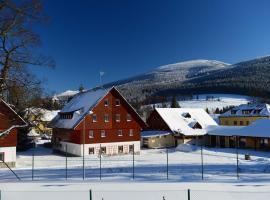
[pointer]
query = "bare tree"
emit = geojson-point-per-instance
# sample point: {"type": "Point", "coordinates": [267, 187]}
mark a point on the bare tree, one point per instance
{"type": "Point", "coordinates": [18, 42]}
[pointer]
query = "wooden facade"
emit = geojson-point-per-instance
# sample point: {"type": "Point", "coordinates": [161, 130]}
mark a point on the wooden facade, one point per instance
{"type": "Point", "coordinates": [112, 120]}
{"type": "Point", "coordinates": [9, 121]}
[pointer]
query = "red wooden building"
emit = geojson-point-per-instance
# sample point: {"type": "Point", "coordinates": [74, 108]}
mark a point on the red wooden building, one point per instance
{"type": "Point", "coordinates": [9, 122]}
{"type": "Point", "coordinates": [100, 120]}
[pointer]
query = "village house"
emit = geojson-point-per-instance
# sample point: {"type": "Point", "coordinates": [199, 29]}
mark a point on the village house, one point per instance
{"type": "Point", "coordinates": [101, 121]}
{"type": "Point", "coordinates": [10, 121]}
{"type": "Point", "coordinates": [255, 136]}
{"type": "Point", "coordinates": [39, 119]}
{"type": "Point", "coordinates": [168, 127]}
{"type": "Point", "coordinates": [244, 114]}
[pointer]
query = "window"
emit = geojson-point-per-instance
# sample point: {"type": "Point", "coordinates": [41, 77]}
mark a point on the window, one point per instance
{"type": "Point", "coordinates": [131, 149]}
{"type": "Point", "coordinates": [128, 117]}
{"type": "Point", "coordinates": [120, 149]}
{"type": "Point", "coordinates": [91, 134]}
{"type": "Point", "coordinates": [247, 122]}
{"type": "Point", "coordinates": [242, 142]}
{"type": "Point", "coordinates": [94, 118]}
{"type": "Point", "coordinates": [2, 156]}
{"type": "Point", "coordinates": [120, 133]}
{"type": "Point", "coordinates": [103, 150]}
{"type": "Point", "coordinates": [257, 111]}
{"type": "Point", "coordinates": [235, 123]}
{"type": "Point", "coordinates": [233, 112]}
{"type": "Point", "coordinates": [106, 118]}
{"type": "Point", "coordinates": [130, 132]}
{"type": "Point", "coordinates": [117, 118]}
{"type": "Point", "coordinates": [102, 133]}
{"type": "Point", "coordinates": [91, 150]}
{"type": "Point", "coordinates": [246, 112]}
{"type": "Point", "coordinates": [106, 102]}
{"type": "Point", "coordinates": [241, 123]}
{"type": "Point", "coordinates": [117, 102]}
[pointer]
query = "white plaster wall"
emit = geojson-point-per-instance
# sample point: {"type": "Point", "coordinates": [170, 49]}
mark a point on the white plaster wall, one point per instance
{"type": "Point", "coordinates": [10, 153]}
{"type": "Point", "coordinates": [111, 148]}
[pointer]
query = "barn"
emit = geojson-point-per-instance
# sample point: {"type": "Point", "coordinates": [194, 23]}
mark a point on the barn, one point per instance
{"type": "Point", "coordinates": [97, 121]}
{"type": "Point", "coordinates": [10, 121]}
{"type": "Point", "coordinates": [185, 125]}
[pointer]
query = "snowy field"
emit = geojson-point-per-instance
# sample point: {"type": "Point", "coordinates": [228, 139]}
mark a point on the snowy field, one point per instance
{"type": "Point", "coordinates": [150, 176]}
{"type": "Point", "coordinates": [149, 165]}
{"type": "Point", "coordinates": [134, 191]}
{"type": "Point", "coordinates": [216, 101]}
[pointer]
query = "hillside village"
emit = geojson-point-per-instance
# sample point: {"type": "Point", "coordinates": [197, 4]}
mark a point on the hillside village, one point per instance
{"type": "Point", "coordinates": [102, 122]}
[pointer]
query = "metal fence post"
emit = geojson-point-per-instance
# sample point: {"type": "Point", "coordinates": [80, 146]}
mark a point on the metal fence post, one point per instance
{"type": "Point", "coordinates": [90, 195]}
{"type": "Point", "coordinates": [100, 152]}
{"type": "Point", "coordinates": [167, 152]}
{"type": "Point", "coordinates": [202, 161]}
{"type": "Point", "coordinates": [33, 161]}
{"type": "Point", "coordinates": [188, 194]}
{"type": "Point", "coordinates": [237, 157]}
{"type": "Point", "coordinates": [133, 164]}
{"type": "Point", "coordinates": [0, 194]}
{"type": "Point", "coordinates": [66, 163]}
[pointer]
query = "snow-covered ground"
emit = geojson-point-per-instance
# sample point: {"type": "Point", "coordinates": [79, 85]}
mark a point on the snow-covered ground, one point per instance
{"type": "Point", "coordinates": [184, 172]}
{"type": "Point", "coordinates": [150, 165]}
{"type": "Point", "coordinates": [218, 101]}
{"type": "Point", "coordinates": [213, 101]}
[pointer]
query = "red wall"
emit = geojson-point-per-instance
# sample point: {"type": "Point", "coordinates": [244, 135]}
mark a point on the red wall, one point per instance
{"type": "Point", "coordinates": [155, 122]}
{"type": "Point", "coordinates": [7, 119]}
{"type": "Point", "coordinates": [111, 127]}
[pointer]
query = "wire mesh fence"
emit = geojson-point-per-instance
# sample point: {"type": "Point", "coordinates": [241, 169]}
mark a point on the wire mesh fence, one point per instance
{"type": "Point", "coordinates": [155, 164]}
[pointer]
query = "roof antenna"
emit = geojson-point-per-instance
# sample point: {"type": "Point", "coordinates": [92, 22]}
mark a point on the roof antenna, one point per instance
{"type": "Point", "coordinates": [101, 73]}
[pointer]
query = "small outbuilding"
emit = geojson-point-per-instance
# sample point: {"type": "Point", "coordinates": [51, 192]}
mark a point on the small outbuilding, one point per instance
{"type": "Point", "coordinates": [157, 139]}
{"type": "Point", "coordinates": [255, 136]}
{"type": "Point", "coordinates": [185, 125]}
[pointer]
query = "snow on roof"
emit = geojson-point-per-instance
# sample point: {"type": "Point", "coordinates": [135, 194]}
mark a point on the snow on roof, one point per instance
{"type": "Point", "coordinates": [82, 103]}
{"type": "Point", "coordinates": [259, 128]}
{"type": "Point", "coordinates": [178, 123]}
{"type": "Point", "coordinates": [249, 110]}
{"type": "Point", "coordinates": [32, 133]}
{"type": "Point", "coordinates": [45, 115]}
{"type": "Point", "coordinates": [147, 134]}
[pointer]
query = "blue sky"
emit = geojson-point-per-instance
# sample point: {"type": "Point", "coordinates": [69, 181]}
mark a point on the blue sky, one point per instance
{"type": "Point", "coordinates": [129, 37]}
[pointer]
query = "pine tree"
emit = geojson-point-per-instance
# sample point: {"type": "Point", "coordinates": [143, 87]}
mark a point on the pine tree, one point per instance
{"type": "Point", "coordinates": [174, 103]}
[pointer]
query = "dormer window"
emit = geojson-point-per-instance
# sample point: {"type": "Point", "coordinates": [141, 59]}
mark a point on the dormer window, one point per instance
{"type": "Point", "coordinates": [66, 115]}
{"type": "Point", "coordinates": [186, 115]}
{"type": "Point", "coordinates": [257, 111]}
{"type": "Point", "coordinates": [197, 125]}
{"type": "Point", "coordinates": [106, 102]}
{"type": "Point", "coordinates": [246, 112]}
{"type": "Point", "coordinates": [233, 112]}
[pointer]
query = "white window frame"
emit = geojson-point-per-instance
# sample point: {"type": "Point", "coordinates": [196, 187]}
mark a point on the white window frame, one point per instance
{"type": "Point", "coordinates": [106, 102]}
{"type": "Point", "coordinates": [120, 132]}
{"type": "Point", "coordinates": [129, 118]}
{"type": "Point", "coordinates": [106, 118]}
{"type": "Point", "coordinates": [117, 102]}
{"type": "Point", "coordinates": [92, 148]}
{"type": "Point", "coordinates": [131, 132]}
{"type": "Point", "coordinates": [116, 118]}
{"type": "Point", "coordinates": [3, 156]}
{"type": "Point", "coordinates": [91, 134]}
{"type": "Point", "coordinates": [102, 133]}
{"type": "Point", "coordinates": [94, 118]}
